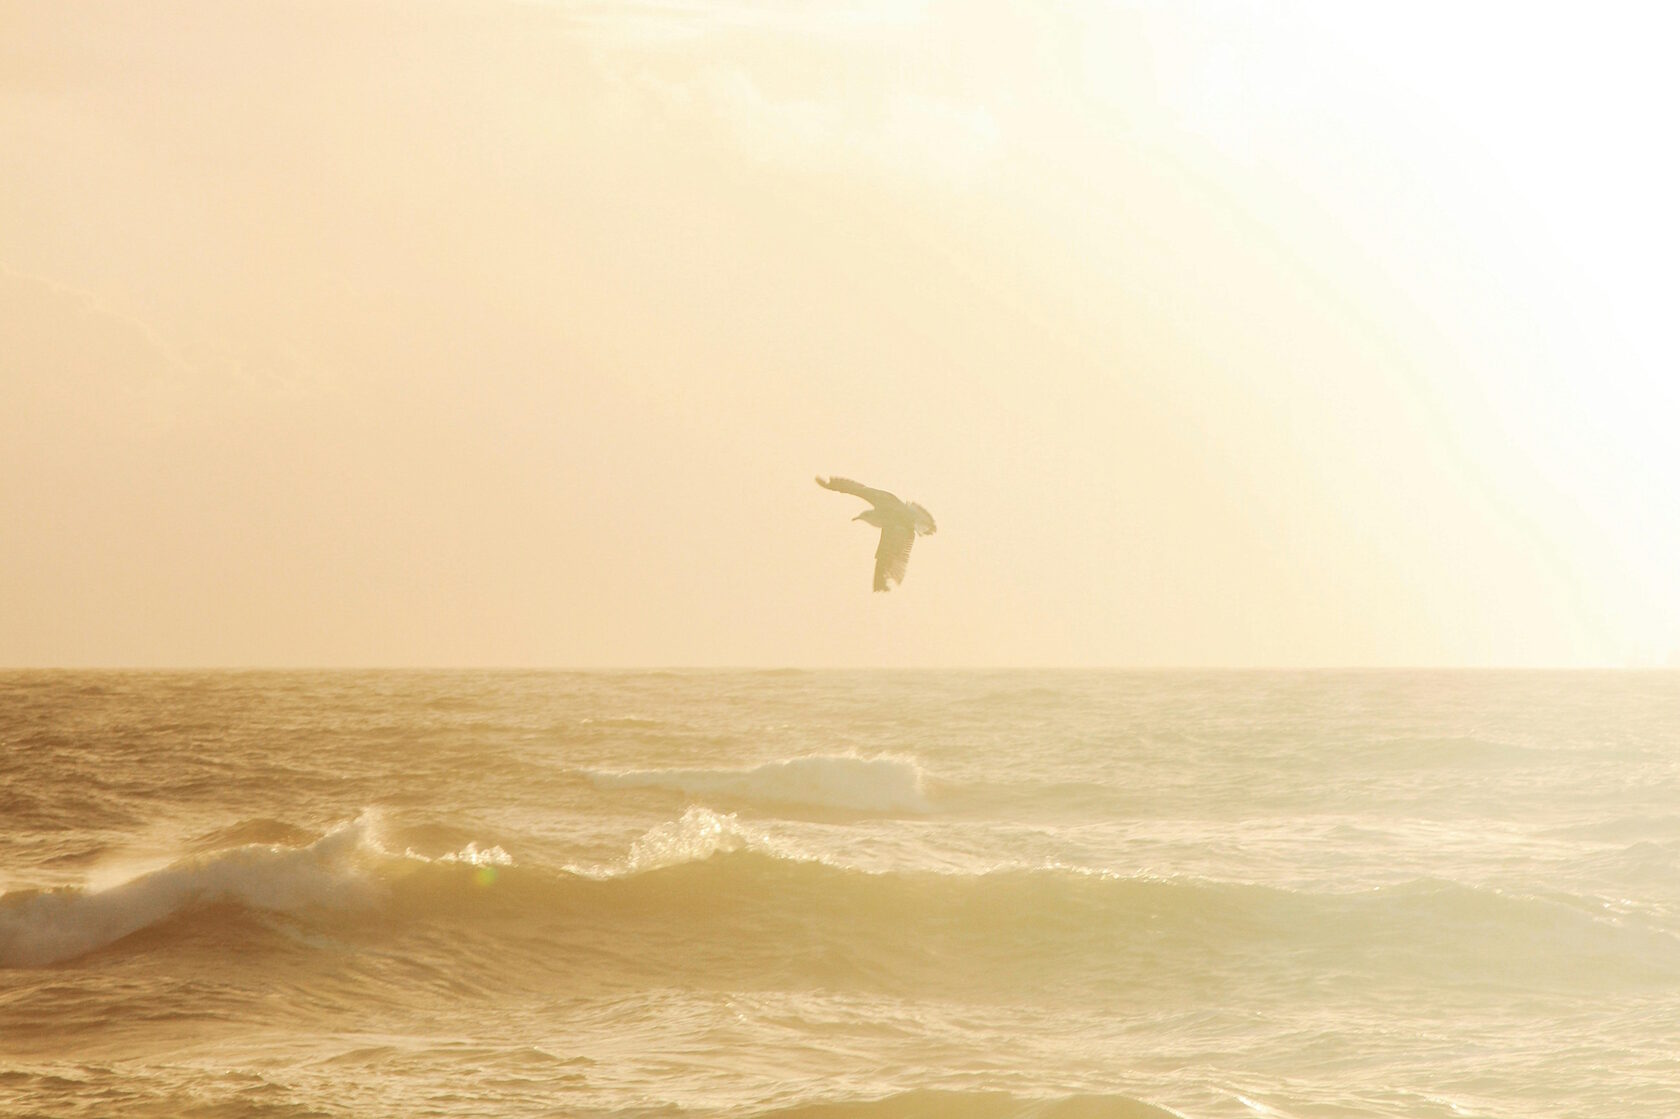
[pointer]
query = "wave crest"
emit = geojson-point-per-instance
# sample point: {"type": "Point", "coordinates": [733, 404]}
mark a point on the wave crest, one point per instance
{"type": "Point", "coordinates": [345, 869]}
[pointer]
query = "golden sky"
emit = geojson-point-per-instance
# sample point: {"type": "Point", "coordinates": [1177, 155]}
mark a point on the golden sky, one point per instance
{"type": "Point", "coordinates": [473, 332]}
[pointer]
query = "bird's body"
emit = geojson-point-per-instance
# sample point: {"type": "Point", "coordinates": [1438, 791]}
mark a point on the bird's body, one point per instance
{"type": "Point", "coordinates": [900, 523]}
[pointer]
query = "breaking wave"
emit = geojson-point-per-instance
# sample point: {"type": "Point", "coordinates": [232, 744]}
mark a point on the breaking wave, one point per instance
{"type": "Point", "coordinates": [698, 835]}
{"type": "Point", "coordinates": [706, 894]}
{"type": "Point", "coordinates": [345, 870]}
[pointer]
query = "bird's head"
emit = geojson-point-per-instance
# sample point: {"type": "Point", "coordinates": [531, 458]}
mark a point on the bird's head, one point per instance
{"type": "Point", "coordinates": [869, 517]}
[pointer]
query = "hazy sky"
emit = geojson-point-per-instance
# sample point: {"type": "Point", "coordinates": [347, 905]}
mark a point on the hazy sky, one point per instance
{"type": "Point", "coordinates": [473, 332]}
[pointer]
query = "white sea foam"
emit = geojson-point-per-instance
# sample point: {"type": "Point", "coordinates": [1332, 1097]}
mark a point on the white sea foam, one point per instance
{"type": "Point", "coordinates": [697, 835]}
{"type": "Point", "coordinates": [472, 854]}
{"type": "Point", "coordinates": [884, 783]}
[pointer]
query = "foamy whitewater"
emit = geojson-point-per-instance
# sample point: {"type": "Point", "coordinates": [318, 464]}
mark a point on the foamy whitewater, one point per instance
{"type": "Point", "coordinates": [840, 894]}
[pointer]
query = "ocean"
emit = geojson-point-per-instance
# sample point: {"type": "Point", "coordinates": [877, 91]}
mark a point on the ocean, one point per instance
{"type": "Point", "coordinates": [1058, 894]}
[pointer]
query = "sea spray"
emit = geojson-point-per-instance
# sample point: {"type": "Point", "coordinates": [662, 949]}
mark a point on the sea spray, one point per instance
{"type": "Point", "coordinates": [699, 834]}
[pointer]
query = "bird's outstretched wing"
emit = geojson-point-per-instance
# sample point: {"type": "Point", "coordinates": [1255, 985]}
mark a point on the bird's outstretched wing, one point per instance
{"type": "Point", "coordinates": [846, 485]}
{"type": "Point", "coordinates": [892, 556]}
{"type": "Point", "coordinates": [924, 520]}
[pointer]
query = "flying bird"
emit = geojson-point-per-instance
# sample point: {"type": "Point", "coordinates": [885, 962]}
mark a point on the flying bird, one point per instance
{"type": "Point", "coordinates": [900, 523]}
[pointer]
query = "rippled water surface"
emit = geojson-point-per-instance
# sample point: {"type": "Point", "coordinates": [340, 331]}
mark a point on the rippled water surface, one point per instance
{"type": "Point", "coordinates": [989, 894]}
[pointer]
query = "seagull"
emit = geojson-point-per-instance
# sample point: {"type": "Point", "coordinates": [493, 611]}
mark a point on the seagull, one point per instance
{"type": "Point", "coordinates": [900, 523]}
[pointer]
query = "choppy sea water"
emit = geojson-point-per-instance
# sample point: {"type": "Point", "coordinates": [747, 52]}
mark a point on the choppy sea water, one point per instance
{"type": "Point", "coordinates": [846, 894]}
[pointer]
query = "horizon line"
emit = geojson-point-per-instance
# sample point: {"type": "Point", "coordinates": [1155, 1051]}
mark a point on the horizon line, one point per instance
{"type": "Point", "coordinates": [629, 668]}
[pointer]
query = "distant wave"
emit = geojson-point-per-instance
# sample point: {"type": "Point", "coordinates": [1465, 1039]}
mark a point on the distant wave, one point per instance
{"type": "Point", "coordinates": [877, 784]}
{"type": "Point", "coordinates": [1454, 752]}
{"type": "Point", "coordinates": [1620, 829]}
{"type": "Point", "coordinates": [1009, 699]}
